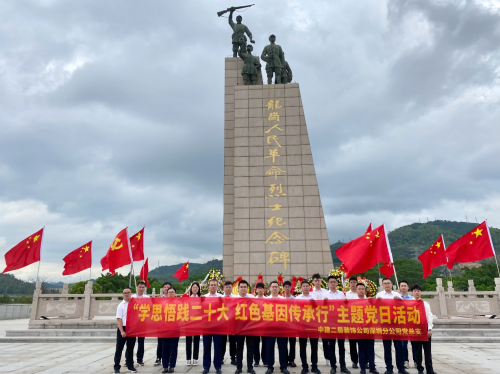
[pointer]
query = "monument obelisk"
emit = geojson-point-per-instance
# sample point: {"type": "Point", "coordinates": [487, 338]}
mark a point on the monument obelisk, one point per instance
{"type": "Point", "coordinates": [273, 218]}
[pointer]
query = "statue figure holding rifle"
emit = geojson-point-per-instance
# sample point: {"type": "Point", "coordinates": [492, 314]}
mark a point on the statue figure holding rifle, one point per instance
{"type": "Point", "coordinates": [239, 39]}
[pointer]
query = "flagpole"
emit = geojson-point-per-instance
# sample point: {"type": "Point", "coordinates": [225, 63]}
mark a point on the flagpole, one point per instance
{"type": "Point", "coordinates": [41, 244]}
{"type": "Point", "coordinates": [491, 242]}
{"type": "Point", "coordinates": [390, 254]}
{"type": "Point", "coordinates": [444, 248]}
{"type": "Point", "coordinates": [131, 262]}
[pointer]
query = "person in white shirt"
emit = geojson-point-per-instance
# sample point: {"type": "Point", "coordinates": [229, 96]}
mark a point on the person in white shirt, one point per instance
{"type": "Point", "coordinates": [213, 284]}
{"type": "Point", "coordinates": [318, 292]}
{"type": "Point", "coordinates": [257, 353]}
{"type": "Point", "coordinates": [121, 335]}
{"type": "Point", "coordinates": [305, 287]}
{"type": "Point", "coordinates": [164, 288]}
{"type": "Point", "coordinates": [270, 341]}
{"type": "Point", "coordinates": [366, 346]}
{"type": "Point", "coordinates": [240, 339]}
{"type": "Point", "coordinates": [404, 287]}
{"type": "Point", "coordinates": [193, 342]}
{"type": "Point", "coordinates": [169, 345]}
{"type": "Point", "coordinates": [228, 292]}
{"type": "Point", "coordinates": [292, 340]}
{"type": "Point", "coordinates": [353, 349]}
{"type": "Point", "coordinates": [388, 293]}
{"type": "Point", "coordinates": [141, 292]}
{"type": "Point", "coordinates": [416, 291]}
{"type": "Point", "coordinates": [329, 344]}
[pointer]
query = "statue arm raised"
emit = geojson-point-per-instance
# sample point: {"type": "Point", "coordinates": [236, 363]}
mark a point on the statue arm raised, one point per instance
{"type": "Point", "coordinates": [231, 23]}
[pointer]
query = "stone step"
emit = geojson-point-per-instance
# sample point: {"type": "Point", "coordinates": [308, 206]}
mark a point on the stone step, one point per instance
{"type": "Point", "coordinates": [465, 333]}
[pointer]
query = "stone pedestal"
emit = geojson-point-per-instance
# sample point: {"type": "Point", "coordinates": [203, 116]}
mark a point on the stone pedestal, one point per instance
{"type": "Point", "coordinates": [273, 219]}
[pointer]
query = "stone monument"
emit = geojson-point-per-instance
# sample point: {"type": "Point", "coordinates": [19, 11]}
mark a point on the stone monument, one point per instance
{"type": "Point", "coordinates": [273, 219]}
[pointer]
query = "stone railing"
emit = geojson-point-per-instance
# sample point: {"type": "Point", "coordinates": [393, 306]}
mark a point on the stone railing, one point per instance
{"type": "Point", "coordinates": [444, 303]}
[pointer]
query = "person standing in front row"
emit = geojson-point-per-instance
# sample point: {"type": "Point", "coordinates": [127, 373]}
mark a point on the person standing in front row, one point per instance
{"type": "Point", "coordinates": [213, 284]}
{"type": "Point", "coordinates": [318, 292]}
{"type": "Point", "coordinates": [193, 342]}
{"type": "Point", "coordinates": [335, 294]}
{"type": "Point", "coordinates": [240, 339]}
{"type": "Point", "coordinates": [404, 287]}
{"type": "Point", "coordinates": [305, 287]}
{"type": "Point", "coordinates": [292, 340]}
{"type": "Point", "coordinates": [366, 346]}
{"type": "Point", "coordinates": [121, 335]}
{"type": "Point", "coordinates": [141, 292]}
{"type": "Point", "coordinates": [416, 290]}
{"type": "Point", "coordinates": [388, 293]}
{"type": "Point", "coordinates": [352, 294]}
{"type": "Point", "coordinates": [257, 353]}
{"type": "Point", "coordinates": [169, 345]}
{"type": "Point", "coordinates": [270, 341]}
{"type": "Point", "coordinates": [228, 292]}
{"type": "Point", "coordinates": [164, 288]}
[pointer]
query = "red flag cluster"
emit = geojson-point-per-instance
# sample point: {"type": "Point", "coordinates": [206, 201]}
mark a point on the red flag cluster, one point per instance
{"type": "Point", "coordinates": [373, 247]}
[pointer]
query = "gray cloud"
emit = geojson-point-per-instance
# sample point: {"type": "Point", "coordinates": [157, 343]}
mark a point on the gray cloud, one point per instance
{"type": "Point", "coordinates": [112, 115]}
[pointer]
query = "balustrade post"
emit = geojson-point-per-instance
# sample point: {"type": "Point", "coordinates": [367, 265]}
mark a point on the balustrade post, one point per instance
{"type": "Point", "coordinates": [497, 288]}
{"type": "Point", "coordinates": [380, 288]}
{"type": "Point", "coordinates": [471, 289]}
{"type": "Point", "coordinates": [153, 294]}
{"type": "Point", "coordinates": [36, 296]}
{"type": "Point", "coordinates": [443, 310]}
{"type": "Point", "coordinates": [87, 300]}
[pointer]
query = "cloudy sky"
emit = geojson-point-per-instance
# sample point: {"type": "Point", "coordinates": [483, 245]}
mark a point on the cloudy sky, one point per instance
{"type": "Point", "coordinates": [111, 115]}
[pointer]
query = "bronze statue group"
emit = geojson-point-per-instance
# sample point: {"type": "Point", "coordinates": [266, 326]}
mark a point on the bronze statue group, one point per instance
{"type": "Point", "coordinates": [362, 351]}
{"type": "Point", "coordinates": [272, 54]}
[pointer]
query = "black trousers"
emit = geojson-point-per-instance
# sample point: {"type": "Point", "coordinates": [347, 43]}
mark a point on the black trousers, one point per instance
{"type": "Point", "coordinates": [366, 353]}
{"type": "Point", "coordinates": [428, 355]}
{"type": "Point", "coordinates": [282, 352]}
{"type": "Point", "coordinates": [257, 352]}
{"type": "Point", "coordinates": [140, 349]}
{"type": "Point", "coordinates": [314, 353]}
{"type": "Point", "coordinates": [232, 346]}
{"type": "Point", "coordinates": [330, 345]}
{"type": "Point", "coordinates": [353, 351]}
{"type": "Point", "coordinates": [192, 345]}
{"type": "Point", "coordinates": [169, 352]}
{"type": "Point", "coordinates": [129, 352]}
{"type": "Point", "coordinates": [158, 349]}
{"type": "Point", "coordinates": [291, 350]}
{"type": "Point", "coordinates": [326, 349]}
{"type": "Point", "coordinates": [240, 343]}
{"type": "Point", "coordinates": [398, 347]}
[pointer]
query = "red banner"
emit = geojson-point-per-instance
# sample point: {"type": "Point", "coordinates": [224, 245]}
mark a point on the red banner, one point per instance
{"type": "Point", "coordinates": [166, 317]}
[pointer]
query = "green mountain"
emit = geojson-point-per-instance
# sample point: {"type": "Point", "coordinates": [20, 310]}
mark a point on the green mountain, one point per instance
{"type": "Point", "coordinates": [408, 242]}
{"type": "Point", "coordinates": [10, 285]}
{"type": "Point", "coordinates": [166, 273]}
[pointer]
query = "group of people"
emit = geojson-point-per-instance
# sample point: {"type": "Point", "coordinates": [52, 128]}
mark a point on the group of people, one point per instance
{"type": "Point", "coordinates": [362, 351]}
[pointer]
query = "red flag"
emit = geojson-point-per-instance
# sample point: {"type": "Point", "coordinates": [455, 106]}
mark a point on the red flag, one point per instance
{"type": "Point", "coordinates": [387, 269]}
{"type": "Point", "coordinates": [144, 272]}
{"type": "Point", "coordinates": [118, 254]}
{"type": "Point", "coordinates": [78, 260]}
{"type": "Point", "coordinates": [24, 253]}
{"type": "Point", "coordinates": [183, 272]}
{"type": "Point", "coordinates": [433, 257]}
{"type": "Point", "coordinates": [369, 228]}
{"type": "Point", "coordinates": [137, 243]}
{"type": "Point", "coordinates": [474, 246]}
{"type": "Point", "coordinates": [365, 252]}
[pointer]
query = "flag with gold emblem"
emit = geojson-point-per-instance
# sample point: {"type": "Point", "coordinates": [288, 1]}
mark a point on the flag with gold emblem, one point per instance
{"type": "Point", "coordinates": [474, 246]}
{"type": "Point", "coordinates": [183, 272]}
{"type": "Point", "coordinates": [137, 243]}
{"type": "Point", "coordinates": [365, 252]}
{"type": "Point", "coordinates": [433, 257]}
{"type": "Point", "coordinates": [118, 254]}
{"type": "Point", "coordinates": [24, 253]}
{"type": "Point", "coordinates": [78, 260]}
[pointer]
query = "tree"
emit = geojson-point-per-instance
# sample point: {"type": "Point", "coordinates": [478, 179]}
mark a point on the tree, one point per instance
{"type": "Point", "coordinates": [79, 288]}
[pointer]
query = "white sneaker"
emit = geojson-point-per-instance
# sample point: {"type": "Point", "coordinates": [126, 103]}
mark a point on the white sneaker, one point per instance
{"type": "Point", "coordinates": [188, 363]}
{"type": "Point", "coordinates": [195, 362]}
{"type": "Point", "coordinates": [328, 363]}
{"type": "Point", "coordinates": [407, 364]}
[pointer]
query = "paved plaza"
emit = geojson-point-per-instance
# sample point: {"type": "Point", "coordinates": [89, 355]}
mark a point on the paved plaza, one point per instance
{"type": "Point", "coordinates": [58, 358]}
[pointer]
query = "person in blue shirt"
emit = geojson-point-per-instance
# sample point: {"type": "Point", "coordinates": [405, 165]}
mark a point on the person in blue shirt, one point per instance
{"type": "Point", "coordinates": [405, 295]}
